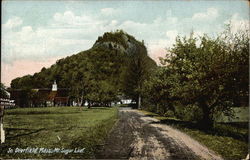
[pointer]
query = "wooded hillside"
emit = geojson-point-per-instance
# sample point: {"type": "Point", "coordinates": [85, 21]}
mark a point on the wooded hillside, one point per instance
{"type": "Point", "coordinates": [114, 67]}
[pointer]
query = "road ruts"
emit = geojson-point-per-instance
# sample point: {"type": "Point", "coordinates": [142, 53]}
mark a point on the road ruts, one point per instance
{"type": "Point", "coordinates": [136, 136]}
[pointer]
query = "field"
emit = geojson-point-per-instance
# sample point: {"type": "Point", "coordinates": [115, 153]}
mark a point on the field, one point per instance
{"type": "Point", "coordinates": [229, 139]}
{"type": "Point", "coordinates": [60, 129]}
{"type": "Point", "coordinates": [241, 115]}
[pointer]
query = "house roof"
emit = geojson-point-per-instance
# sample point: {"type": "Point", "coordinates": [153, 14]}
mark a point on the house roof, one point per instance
{"type": "Point", "coordinates": [47, 93]}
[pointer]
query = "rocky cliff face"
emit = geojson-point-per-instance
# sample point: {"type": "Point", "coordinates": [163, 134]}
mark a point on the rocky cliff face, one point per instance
{"type": "Point", "coordinates": [119, 41]}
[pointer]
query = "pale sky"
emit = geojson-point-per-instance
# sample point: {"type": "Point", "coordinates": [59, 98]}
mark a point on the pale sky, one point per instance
{"type": "Point", "coordinates": [37, 33]}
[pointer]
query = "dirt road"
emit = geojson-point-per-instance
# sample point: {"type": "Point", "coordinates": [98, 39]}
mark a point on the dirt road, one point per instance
{"type": "Point", "coordinates": [136, 136]}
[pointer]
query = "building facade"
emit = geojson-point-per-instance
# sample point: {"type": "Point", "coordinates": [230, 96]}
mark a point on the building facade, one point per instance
{"type": "Point", "coordinates": [41, 97]}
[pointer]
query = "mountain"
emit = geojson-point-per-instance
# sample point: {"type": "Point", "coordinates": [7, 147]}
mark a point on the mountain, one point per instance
{"type": "Point", "coordinates": [115, 66]}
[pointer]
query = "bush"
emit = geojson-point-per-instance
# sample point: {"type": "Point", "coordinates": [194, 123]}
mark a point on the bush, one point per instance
{"type": "Point", "coordinates": [188, 113]}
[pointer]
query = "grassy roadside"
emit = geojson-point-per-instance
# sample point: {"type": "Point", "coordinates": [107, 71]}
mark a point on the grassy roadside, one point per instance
{"type": "Point", "coordinates": [56, 127]}
{"type": "Point", "coordinates": [228, 140]}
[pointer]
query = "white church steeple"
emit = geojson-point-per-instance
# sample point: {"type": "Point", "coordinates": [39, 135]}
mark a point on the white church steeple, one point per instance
{"type": "Point", "coordinates": [54, 86]}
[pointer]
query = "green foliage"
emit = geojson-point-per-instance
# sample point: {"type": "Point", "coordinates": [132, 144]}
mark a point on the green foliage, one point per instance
{"type": "Point", "coordinates": [119, 36]}
{"type": "Point", "coordinates": [140, 66]}
{"type": "Point", "coordinates": [3, 93]}
{"type": "Point", "coordinates": [210, 73]}
{"type": "Point", "coordinates": [156, 95]}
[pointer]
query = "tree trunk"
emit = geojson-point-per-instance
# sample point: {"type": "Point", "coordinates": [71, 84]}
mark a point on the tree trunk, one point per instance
{"type": "Point", "coordinates": [89, 105]}
{"type": "Point", "coordinates": [81, 101]}
{"type": "Point", "coordinates": [207, 120]}
{"type": "Point", "coordinates": [139, 102]}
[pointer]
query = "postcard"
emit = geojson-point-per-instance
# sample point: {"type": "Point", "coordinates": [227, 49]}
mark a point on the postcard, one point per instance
{"type": "Point", "coordinates": [127, 79]}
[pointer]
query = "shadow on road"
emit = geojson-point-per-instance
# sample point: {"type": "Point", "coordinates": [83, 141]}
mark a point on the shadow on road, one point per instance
{"type": "Point", "coordinates": [221, 129]}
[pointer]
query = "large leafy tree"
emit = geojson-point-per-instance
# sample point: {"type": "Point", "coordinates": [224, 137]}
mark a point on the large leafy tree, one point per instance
{"type": "Point", "coordinates": [156, 91]}
{"type": "Point", "coordinates": [139, 68]}
{"type": "Point", "coordinates": [210, 73]}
